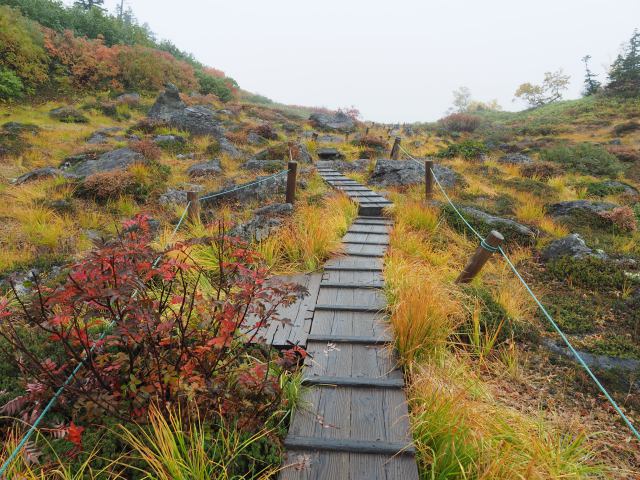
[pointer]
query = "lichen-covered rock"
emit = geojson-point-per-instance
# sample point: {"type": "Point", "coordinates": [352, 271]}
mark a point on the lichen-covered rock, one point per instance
{"type": "Point", "coordinates": [68, 114]}
{"type": "Point", "coordinates": [226, 147]}
{"type": "Point", "coordinates": [264, 222]}
{"type": "Point", "coordinates": [103, 135]}
{"type": "Point", "coordinates": [264, 165]}
{"type": "Point", "coordinates": [260, 189]}
{"type": "Point", "coordinates": [167, 103]}
{"type": "Point", "coordinates": [339, 121]}
{"type": "Point", "coordinates": [392, 173]}
{"type": "Point", "coordinates": [39, 173]}
{"type": "Point", "coordinates": [178, 196]}
{"type": "Point", "coordinates": [516, 159]}
{"type": "Point", "coordinates": [570, 246]}
{"type": "Point", "coordinates": [211, 168]}
{"type": "Point", "coordinates": [114, 160]}
{"type": "Point", "coordinates": [579, 207]}
{"type": "Point", "coordinates": [283, 151]}
{"type": "Point", "coordinates": [330, 154]}
{"type": "Point", "coordinates": [254, 139]}
{"type": "Point", "coordinates": [17, 128]}
{"type": "Point", "coordinates": [170, 141]}
{"type": "Point", "coordinates": [342, 166]}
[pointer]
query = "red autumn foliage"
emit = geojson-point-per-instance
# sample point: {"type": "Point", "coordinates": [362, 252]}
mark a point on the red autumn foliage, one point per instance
{"type": "Point", "coordinates": [148, 333]}
{"type": "Point", "coordinates": [146, 148]}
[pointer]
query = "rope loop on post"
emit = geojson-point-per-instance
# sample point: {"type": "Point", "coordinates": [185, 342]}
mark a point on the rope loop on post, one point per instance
{"type": "Point", "coordinates": [488, 247]}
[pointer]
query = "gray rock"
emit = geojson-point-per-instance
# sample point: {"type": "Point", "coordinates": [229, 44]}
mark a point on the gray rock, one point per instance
{"type": "Point", "coordinates": [38, 174]}
{"type": "Point", "coordinates": [330, 154]}
{"type": "Point", "coordinates": [595, 361]}
{"type": "Point", "coordinates": [290, 127]}
{"type": "Point", "coordinates": [615, 141]}
{"type": "Point", "coordinates": [167, 103]}
{"type": "Point", "coordinates": [186, 156]}
{"type": "Point", "coordinates": [265, 221]}
{"type": "Point", "coordinates": [265, 165]}
{"type": "Point", "coordinates": [337, 122]}
{"type": "Point", "coordinates": [211, 168]}
{"type": "Point", "coordinates": [260, 189]}
{"type": "Point", "coordinates": [17, 128]}
{"type": "Point", "coordinates": [254, 139]}
{"type": "Point", "coordinates": [626, 188]}
{"type": "Point", "coordinates": [226, 147]}
{"type": "Point", "coordinates": [578, 207]}
{"type": "Point", "coordinates": [131, 98]}
{"type": "Point", "coordinates": [175, 196]}
{"type": "Point", "coordinates": [77, 159]}
{"type": "Point", "coordinates": [103, 135]}
{"type": "Point", "coordinates": [169, 140]}
{"type": "Point", "coordinates": [389, 173]}
{"type": "Point", "coordinates": [68, 114]}
{"type": "Point", "coordinates": [281, 152]}
{"type": "Point", "coordinates": [516, 159]}
{"type": "Point", "coordinates": [509, 228]}
{"type": "Point", "coordinates": [114, 160]}
{"type": "Point", "coordinates": [570, 246]}
{"type": "Point", "coordinates": [330, 139]}
{"type": "Point", "coordinates": [342, 166]}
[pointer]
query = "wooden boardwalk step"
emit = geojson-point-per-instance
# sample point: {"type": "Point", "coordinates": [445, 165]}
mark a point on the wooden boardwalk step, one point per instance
{"type": "Point", "coordinates": [349, 268]}
{"type": "Point", "coordinates": [353, 446]}
{"type": "Point", "coordinates": [381, 244]}
{"type": "Point", "coordinates": [373, 286]}
{"type": "Point", "coordinates": [356, 340]}
{"type": "Point", "coordinates": [351, 308]}
{"type": "Point", "coordinates": [357, 230]}
{"type": "Point", "coordinates": [355, 382]}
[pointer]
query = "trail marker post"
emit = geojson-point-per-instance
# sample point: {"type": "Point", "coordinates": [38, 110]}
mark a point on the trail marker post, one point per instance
{"type": "Point", "coordinates": [487, 247]}
{"type": "Point", "coordinates": [395, 150]}
{"type": "Point", "coordinates": [194, 207]}
{"type": "Point", "coordinates": [292, 173]}
{"type": "Point", "coordinates": [428, 179]}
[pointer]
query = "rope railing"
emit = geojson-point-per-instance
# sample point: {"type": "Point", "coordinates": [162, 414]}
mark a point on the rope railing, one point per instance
{"type": "Point", "coordinates": [34, 426]}
{"type": "Point", "coordinates": [544, 311]}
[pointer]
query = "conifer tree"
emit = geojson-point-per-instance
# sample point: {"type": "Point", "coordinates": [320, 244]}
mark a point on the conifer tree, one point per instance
{"type": "Point", "coordinates": [89, 4]}
{"type": "Point", "coordinates": [591, 84]}
{"type": "Point", "coordinates": [624, 76]}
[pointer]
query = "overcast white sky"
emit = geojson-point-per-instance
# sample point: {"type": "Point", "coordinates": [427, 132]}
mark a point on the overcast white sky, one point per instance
{"type": "Point", "coordinates": [395, 60]}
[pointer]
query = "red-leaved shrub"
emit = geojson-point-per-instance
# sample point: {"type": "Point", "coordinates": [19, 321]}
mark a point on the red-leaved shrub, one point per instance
{"type": "Point", "coordinates": [622, 218]}
{"type": "Point", "coordinates": [460, 122]}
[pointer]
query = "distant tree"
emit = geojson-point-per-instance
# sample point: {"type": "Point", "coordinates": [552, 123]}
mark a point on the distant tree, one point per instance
{"type": "Point", "coordinates": [478, 106]}
{"type": "Point", "coordinates": [461, 99]}
{"type": "Point", "coordinates": [624, 75]}
{"type": "Point", "coordinates": [89, 4]}
{"type": "Point", "coordinates": [553, 85]}
{"type": "Point", "coordinates": [591, 85]}
{"type": "Point", "coordinates": [351, 111]}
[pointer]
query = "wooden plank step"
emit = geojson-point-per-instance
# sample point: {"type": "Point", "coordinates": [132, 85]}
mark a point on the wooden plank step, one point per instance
{"type": "Point", "coordinates": [367, 232]}
{"type": "Point", "coordinates": [365, 254]}
{"type": "Point", "coordinates": [350, 308]}
{"type": "Point", "coordinates": [353, 446]}
{"type": "Point", "coordinates": [354, 382]}
{"type": "Point", "coordinates": [373, 286]}
{"type": "Point", "coordinates": [356, 340]}
{"type": "Point", "coordinates": [348, 268]}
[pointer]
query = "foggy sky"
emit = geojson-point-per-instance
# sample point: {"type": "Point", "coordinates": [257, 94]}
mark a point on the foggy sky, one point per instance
{"type": "Point", "coordinates": [395, 60]}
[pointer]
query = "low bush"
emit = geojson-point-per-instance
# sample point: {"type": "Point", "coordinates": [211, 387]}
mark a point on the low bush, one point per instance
{"type": "Point", "coordinates": [11, 86]}
{"type": "Point", "coordinates": [588, 272]}
{"type": "Point", "coordinates": [625, 128]}
{"type": "Point", "coordinates": [624, 154]}
{"type": "Point", "coordinates": [146, 148]}
{"type": "Point", "coordinates": [540, 170]}
{"type": "Point", "coordinates": [623, 219]}
{"type": "Point", "coordinates": [372, 142]}
{"type": "Point", "coordinates": [238, 137]}
{"type": "Point", "coordinates": [265, 130]}
{"type": "Point", "coordinates": [460, 122]}
{"type": "Point", "coordinates": [467, 149]}
{"type": "Point", "coordinates": [106, 186]}
{"type": "Point", "coordinates": [584, 158]}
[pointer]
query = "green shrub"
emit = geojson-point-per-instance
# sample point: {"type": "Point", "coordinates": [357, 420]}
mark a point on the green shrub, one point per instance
{"type": "Point", "coordinates": [584, 158]}
{"type": "Point", "coordinates": [589, 272]}
{"type": "Point", "coordinates": [216, 85]}
{"type": "Point", "coordinates": [602, 189]}
{"type": "Point", "coordinates": [11, 86]}
{"type": "Point", "coordinates": [624, 128]}
{"type": "Point", "coordinates": [460, 122]}
{"type": "Point", "coordinates": [468, 149]}
{"type": "Point", "coordinates": [615, 346]}
{"type": "Point", "coordinates": [572, 313]}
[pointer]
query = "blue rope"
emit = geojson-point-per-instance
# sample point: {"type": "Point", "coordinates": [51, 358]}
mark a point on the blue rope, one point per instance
{"type": "Point", "coordinates": [54, 399]}
{"type": "Point", "coordinates": [548, 316]}
{"type": "Point", "coordinates": [240, 187]}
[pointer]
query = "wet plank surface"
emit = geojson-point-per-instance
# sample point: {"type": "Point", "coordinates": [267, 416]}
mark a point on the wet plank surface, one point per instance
{"type": "Point", "coordinates": [354, 423]}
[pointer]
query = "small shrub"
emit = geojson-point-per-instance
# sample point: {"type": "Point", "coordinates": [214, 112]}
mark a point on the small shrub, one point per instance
{"type": "Point", "coordinates": [238, 137]}
{"type": "Point", "coordinates": [616, 346]}
{"type": "Point", "coordinates": [106, 186]}
{"type": "Point", "coordinates": [147, 148]}
{"type": "Point", "coordinates": [540, 170]}
{"type": "Point", "coordinates": [602, 189]}
{"type": "Point", "coordinates": [625, 128]}
{"type": "Point", "coordinates": [588, 272]}
{"type": "Point", "coordinates": [213, 148]}
{"type": "Point", "coordinates": [584, 158]}
{"type": "Point", "coordinates": [467, 149]}
{"type": "Point", "coordinates": [11, 86]}
{"type": "Point", "coordinates": [460, 122]}
{"type": "Point", "coordinates": [371, 142]}
{"type": "Point", "coordinates": [622, 218]}
{"type": "Point", "coordinates": [266, 131]}
{"type": "Point", "coordinates": [624, 154]}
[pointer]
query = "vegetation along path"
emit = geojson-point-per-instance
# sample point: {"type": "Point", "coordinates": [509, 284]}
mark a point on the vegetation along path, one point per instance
{"type": "Point", "coordinates": [354, 421]}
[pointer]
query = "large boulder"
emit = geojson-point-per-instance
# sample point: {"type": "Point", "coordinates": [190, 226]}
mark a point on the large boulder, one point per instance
{"type": "Point", "coordinates": [330, 154]}
{"type": "Point", "coordinates": [211, 168]}
{"type": "Point", "coordinates": [39, 173]}
{"type": "Point", "coordinates": [342, 166]}
{"type": "Point", "coordinates": [260, 189]}
{"type": "Point", "coordinates": [103, 135]}
{"type": "Point", "coordinates": [226, 147]}
{"type": "Point", "coordinates": [68, 114]}
{"type": "Point", "coordinates": [515, 159]}
{"type": "Point", "coordinates": [17, 128]}
{"type": "Point", "coordinates": [264, 165]}
{"type": "Point", "coordinates": [114, 160]}
{"type": "Point", "coordinates": [178, 196]}
{"type": "Point", "coordinates": [570, 246]}
{"type": "Point", "coordinates": [283, 151]}
{"type": "Point", "coordinates": [579, 208]}
{"type": "Point", "coordinates": [264, 222]}
{"type": "Point", "coordinates": [484, 222]}
{"type": "Point", "coordinates": [339, 122]}
{"type": "Point", "coordinates": [393, 173]}
{"type": "Point", "coordinates": [197, 119]}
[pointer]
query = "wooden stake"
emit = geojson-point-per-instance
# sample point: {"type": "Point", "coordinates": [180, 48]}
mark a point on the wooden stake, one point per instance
{"type": "Point", "coordinates": [480, 257]}
{"type": "Point", "coordinates": [291, 182]}
{"type": "Point", "coordinates": [395, 150]}
{"type": "Point", "coordinates": [314, 136]}
{"type": "Point", "coordinates": [428, 179]}
{"type": "Point", "coordinates": [367, 131]}
{"type": "Point", "coordinates": [193, 211]}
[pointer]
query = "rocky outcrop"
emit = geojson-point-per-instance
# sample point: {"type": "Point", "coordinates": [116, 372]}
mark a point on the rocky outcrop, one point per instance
{"type": "Point", "coordinates": [392, 173]}
{"type": "Point", "coordinates": [570, 246]}
{"type": "Point", "coordinates": [264, 165]}
{"type": "Point", "coordinates": [226, 147]}
{"type": "Point", "coordinates": [211, 168]}
{"type": "Point", "coordinates": [264, 222]}
{"type": "Point", "coordinates": [330, 154]}
{"type": "Point", "coordinates": [260, 189]}
{"type": "Point", "coordinates": [178, 196]}
{"type": "Point", "coordinates": [484, 222]}
{"type": "Point", "coordinates": [579, 207]}
{"type": "Point", "coordinates": [169, 141]}
{"type": "Point", "coordinates": [103, 135]}
{"type": "Point", "coordinates": [167, 104]}
{"type": "Point", "coordinates": [515, 159]}
{"type": "Point", "coordinates": [114, 160]}
{"type": "Point", "coordinates": [342, 166]}
{"type": "Point", "coordinates": [339, 122]}
{"type": "Point", "coordinates": [254, 139]}
{"type": "Point", "coordinates": [18, 128]}
{"type": "Point", "coordinates": [40, 173]}
{"type": "Point", "coordinates": [68, 114]}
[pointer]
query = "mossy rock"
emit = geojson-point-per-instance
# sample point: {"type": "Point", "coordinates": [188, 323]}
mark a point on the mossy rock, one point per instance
{"type": "Point", "coordinates": [589, 272]}
{"type": "Point", "coordinates": [68, 115]}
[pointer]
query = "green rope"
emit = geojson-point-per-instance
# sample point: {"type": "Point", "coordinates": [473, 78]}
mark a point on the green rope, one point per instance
{"type": "Point", "coordinates": [54, 398]}
{"type": "Point", "coordinates": [547, 315]}
{"type": "Point", "coordinates": [240, 187]}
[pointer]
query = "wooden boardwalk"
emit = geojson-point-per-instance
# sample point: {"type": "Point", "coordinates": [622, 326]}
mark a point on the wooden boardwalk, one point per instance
{"type": "Point", "coordinates": [354, 421]}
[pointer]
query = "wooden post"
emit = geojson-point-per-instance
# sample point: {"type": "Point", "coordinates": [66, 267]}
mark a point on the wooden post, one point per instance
{"type": "Point", "coordinates": [314, 136]}
{"type": "Point", "coordinates": [346, 137]}
{"type": "Point", "coordinates": [291, 182]}
{"type": "Point", "coordinates": [367, 131]}
{"type": "Point", "coordinates": [194, 207]}
{"type": "Point", "coordinates": [480, 257]}
{"type": "Point", "coordinates": [428, 178]}
{"type": "Point", "coordinates": [395, 150]}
